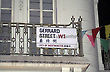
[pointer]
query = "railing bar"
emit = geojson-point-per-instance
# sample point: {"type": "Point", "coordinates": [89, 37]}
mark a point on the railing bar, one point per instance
{"type": "Point", "coordinates": [40, 24]}
{"type": "Point", "coordinates": [30, 25]}
{"type": "Point", "coordinates": [4, 41]}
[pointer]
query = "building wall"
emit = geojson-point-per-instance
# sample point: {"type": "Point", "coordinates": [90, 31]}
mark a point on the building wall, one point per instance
{"type": "Point", "coordinates": [20, 11]}
{"type": "Point", "coordinates": [64, 11]}
{"type": "Point", "coordinates": [101, 66]}
{"type": "Point", "coordinates": [84, 8]}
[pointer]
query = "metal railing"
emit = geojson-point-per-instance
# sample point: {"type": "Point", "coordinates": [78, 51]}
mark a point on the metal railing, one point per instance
{"type": "Point", "coordinates": [20, 39]}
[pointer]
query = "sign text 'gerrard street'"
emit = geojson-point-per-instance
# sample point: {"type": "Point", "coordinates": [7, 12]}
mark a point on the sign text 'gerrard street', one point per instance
{"type": "Point", "coordinates": [49, 37]}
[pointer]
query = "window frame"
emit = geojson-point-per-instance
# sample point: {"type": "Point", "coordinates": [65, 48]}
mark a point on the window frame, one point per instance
{"type": "Point", "coordinates": [41, 11]}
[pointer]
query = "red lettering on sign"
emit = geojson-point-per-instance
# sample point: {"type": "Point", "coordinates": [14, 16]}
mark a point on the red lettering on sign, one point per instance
{"type": "Point", "coordinates": [61, 35]}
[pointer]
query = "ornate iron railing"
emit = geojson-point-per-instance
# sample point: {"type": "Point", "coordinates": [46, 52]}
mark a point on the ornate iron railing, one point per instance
{"type": "Point", "coordinates": [20, 39]}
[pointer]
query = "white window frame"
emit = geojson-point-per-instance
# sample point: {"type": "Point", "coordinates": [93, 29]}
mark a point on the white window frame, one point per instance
{"type": "Point", "coordinates": [41, 11]}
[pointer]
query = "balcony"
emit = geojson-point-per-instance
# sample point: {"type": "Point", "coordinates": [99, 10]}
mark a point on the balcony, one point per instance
{"type": "Point", "coordinates": [20, 39]}
{"type": "Point", "coordinates": [18, 50]}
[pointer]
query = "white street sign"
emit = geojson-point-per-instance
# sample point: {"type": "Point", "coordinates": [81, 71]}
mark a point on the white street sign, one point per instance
{"type": "Point", "coordinates": [48, 37]}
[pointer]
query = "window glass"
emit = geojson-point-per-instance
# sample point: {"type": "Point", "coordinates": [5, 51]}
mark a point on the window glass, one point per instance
{"type": "Point", "coordinates": [5, 33]}
{"type": "Point", "coordinates": [5, 3]}
{"type": "Point", "coordinates": [5, 48]}
{"type": "Point", "coordinates": [41, 13]}
{"type": "Point", "coordinates": [5, 15]}
{"type": "Point", "coordinates": [48, 17]}
{"type": "Point", "coordinates": [47, 5]}
{"type": "Point", "coordinates": [34, 4]}
{"type": "Point", "coordinates": [34, 17]}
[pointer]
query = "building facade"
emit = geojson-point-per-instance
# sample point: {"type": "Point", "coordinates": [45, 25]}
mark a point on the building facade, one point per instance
{"type": "Point", "coordinates": [19, 19]}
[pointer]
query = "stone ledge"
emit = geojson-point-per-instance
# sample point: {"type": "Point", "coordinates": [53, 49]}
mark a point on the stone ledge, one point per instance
{"type": "Point", "coordinates": [44, 59]}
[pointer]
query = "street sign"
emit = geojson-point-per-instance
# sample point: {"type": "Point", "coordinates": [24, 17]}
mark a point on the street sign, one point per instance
{"type": "Point", "coordinates": [50, 37]}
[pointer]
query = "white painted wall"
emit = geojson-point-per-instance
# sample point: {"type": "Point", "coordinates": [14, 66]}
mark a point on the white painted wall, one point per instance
{"type": "Point", "coordinates": [101, 66]}
{"type": "Point", "coordinates": [84, 8]}
{"type": "Point", "coordinates": [20, 11]}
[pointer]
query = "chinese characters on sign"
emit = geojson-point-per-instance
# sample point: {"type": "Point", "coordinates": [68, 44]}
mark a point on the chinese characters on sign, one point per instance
{"type": "Point", "coordinates": [48, 37]}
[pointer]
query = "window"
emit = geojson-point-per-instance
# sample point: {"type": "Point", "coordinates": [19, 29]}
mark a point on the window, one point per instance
{"type": "Point", "coordinates": [5, 11]}
{"type": "Point", "coordinates": [42, 11]}
{"type": "Point", "coordinates": [35, 16]}
{"type": "Point", "coordinates": [34, 4]}
{"type": "Point", "coordinates": [47, 17]}
{"type": "Point", "coordinates": [5, 16]}
{"type": "Point", "coordinates": [47, 4]}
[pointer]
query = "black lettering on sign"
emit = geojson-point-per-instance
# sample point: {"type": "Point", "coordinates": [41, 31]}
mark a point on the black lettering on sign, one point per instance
{"type": "Point", "coordinates": [47, 35]}
{"type": "Point", "coordinates": [43, 30]}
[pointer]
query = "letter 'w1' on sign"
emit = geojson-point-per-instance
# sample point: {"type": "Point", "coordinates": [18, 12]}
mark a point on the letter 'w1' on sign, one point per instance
{"type": "Point", "coordinates": [56, 37]}
{"type": "Point", "coordinates": [61, 35]}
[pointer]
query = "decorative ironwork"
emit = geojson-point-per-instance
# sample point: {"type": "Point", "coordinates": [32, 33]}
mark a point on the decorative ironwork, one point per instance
{"type": "Point", "coordinates": [22, 40]}
{"type": "Point", "coordinates": [21, 5]}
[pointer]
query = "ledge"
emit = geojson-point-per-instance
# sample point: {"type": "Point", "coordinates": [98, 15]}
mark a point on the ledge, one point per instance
{"type": "Point", "coordinates": [44, 59]}
{"type": "Point", "coordinates": [8, 62]}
